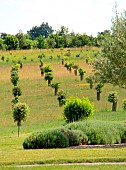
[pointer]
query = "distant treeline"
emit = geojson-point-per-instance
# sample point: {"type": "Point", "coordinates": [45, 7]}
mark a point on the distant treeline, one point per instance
{"type": "Point", "coordinates": [44, 37]}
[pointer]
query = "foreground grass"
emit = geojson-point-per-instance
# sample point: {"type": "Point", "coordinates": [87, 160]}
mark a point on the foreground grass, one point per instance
{"type": "Point", "coordinates": [71, 167]}
{"type": "Point", "coordinates": [12, 153]}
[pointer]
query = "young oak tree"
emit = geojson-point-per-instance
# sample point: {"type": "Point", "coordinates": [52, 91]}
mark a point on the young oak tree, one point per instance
{"type": "Point", "coordinates": [90, 80]}
{"type": "Point", "coordinates": [110, 65]}
{"type": "Point", "coordinates": [20, 113]}
{"type": "Point", "coordinates": [81, 73]}
{"type": "Point", "coordinates": [55, 85]}
{"type": "Point", "coordinates": [61, 97]}
{"type": "Point", "coordinates": [98, 89]}
{"type": "Point", "coordinates": [113, 98]}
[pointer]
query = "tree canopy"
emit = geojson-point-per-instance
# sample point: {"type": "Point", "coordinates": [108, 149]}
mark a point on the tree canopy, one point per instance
{"type": "Point", "coordinates": [110, 65]}
{"type": "Point", "coordinates": [44, 29]}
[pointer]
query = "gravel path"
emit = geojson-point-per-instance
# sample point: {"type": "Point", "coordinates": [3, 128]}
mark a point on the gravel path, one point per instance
{"type": "Point", "coordinates": [69, 164]}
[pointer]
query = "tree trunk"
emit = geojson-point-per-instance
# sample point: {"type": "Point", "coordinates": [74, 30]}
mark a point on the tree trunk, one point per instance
{"type": "Point", "coordinates": [56, 91]}
{"type": "Point", "coordinates": [49, 82]}
{"type": "Point", "coordinates": [62, 61]}
{"type": "Point", "coordinates": [60, 103]}
{"type": "Point", "coordinates": [70, 70]}
{"type": "Point", "coordinates": [91, 86]}
{"type": "Point", "coordinates": [18, 124]}
{"type": "Point", "coordinates": [81, 77]}
{"type": "Point", "coordinates": [98, 95]}
{"type": "Point", "coordinates": [86, 61]}
{"type": "Point", "coordinates": [42, 72]}
{"type": "Point", "coordinates": [18, 131]}
{"type": "Point", "coordinates": [114, 106]}
{"type": "Point", "coordinates": [75, 72]}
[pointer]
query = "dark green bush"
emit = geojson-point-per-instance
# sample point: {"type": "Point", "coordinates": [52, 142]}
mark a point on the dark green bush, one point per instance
{"type": "Point", "coordinates": [52, 138]}
{"type": "Point", "coordinates": [101, 132]}
{"type": "Point", "coordinates": [76, 137]}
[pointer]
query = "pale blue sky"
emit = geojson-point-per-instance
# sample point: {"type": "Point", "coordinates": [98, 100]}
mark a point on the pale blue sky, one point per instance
{"type": "Point", "coordinates": [80, 16]}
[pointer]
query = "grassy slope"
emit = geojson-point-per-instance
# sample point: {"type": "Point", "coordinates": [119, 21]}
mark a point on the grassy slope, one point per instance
{"type": "Point", "coordinates": [45, 112]}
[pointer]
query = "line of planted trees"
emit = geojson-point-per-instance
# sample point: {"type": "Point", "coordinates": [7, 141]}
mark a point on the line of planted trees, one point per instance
{"type": "Point", "coordinates": [44, 36]}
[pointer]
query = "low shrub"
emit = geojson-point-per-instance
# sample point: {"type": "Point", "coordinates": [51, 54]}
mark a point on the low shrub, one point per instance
{"type": "Point", "coordinates": [100, 132]}
{"type": "Point", "coordinates": [76, 109]}
{"type": "Point", "coordinates": [52, 138]}
{"type": "Point", "coordinates": [76, 137]}
{"type": "Point", "coordinates": [77, 133]}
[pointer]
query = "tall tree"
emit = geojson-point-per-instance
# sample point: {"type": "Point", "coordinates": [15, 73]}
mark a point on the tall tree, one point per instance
{"type": "Point", "coordinates": [44, 29]}
{"type": "Point", "coordinates": [110, 65]}
{"type": "Point", "coordinates": [12, 42]}
{"type": "Point", "coordinates": [41, 42]}
{"type": "Point", "coordinates": [23, 39]}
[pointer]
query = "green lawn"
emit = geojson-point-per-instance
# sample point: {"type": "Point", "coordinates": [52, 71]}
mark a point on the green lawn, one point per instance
{"type": "Point", "coordinates": [69, 167]}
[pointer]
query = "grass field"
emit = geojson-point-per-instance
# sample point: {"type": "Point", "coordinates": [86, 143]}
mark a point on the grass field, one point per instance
{"type": "Point", "coordinates": [44, 110]}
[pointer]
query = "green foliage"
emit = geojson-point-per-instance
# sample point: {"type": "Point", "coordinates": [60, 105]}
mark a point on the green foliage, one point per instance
{"type": "Point", "coordinates": [40, 42]}
{"type": "Point", "coordinates": [20, 112]}
{"type": "Point", "coordinates": [70, 65]}
{"type": "Point", "coordinates": [47, 69]}
{"type": "Point", "coordinates": [14, 74]}
{"type": "Point", "coordinates": [110, 65]}
{"type": "Point", "coordinates": [16, 91]}
{"type": "Point", "coordinates": [90, 80]}
{"type": "Point", "coordinates": [52, 138]}
{"type": "Point", "coordinates": [77, 109]}
{"type": "Point", "coordinates": [15, 101]}
{"type": "Point", "coordinates": [77, 55]}
{"type": "Point", "coordinates": [124, 104]}
{"type": "Point", "coordinates": [61, 97]}
{"type": "Point", "coordinates": [113, 97]}
{"type": "Point", "coordinates": [76, 137]}
{"type": "Point", "coordinates": [2, 45]}
{"type": "Point", "coordinates": [75, 66]}
{"type": "Point", "coordinates": [99, 87]}
{"type": "Point", "coordinates": [81, 71]}
{"type": "Point", "coordinates": [55, 138]}
{"type": "Point", "coordinates": [48, 76]}
{"type": "Point", "coordinates": [12, 42]}
{"type": "Point", "coordinates": [55, 85]}
{"type": "Point", "coordinates": [77, 133]}
{"type": "Point", "coordinates": [66, 58]}
{"type": "Point", "coordinates": [14, 78]}
{"type": "Point", "coordinates": [100, 132]}
{"type": "Point", "coordinates": [44, 29]}
{"type": "Point", "coordinates": [25, 41]}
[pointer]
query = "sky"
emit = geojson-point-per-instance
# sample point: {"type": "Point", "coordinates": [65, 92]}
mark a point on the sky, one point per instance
{"type": "Point", "coordinates": [80, 16]}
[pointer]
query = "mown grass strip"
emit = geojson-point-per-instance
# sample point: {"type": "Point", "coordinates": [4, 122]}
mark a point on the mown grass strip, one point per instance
{"type": "Point", "coordinates": [58, 156]}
